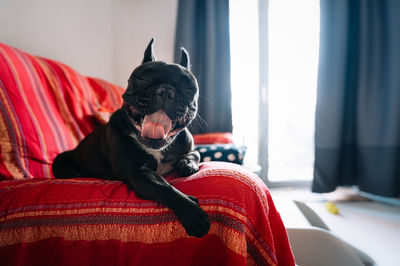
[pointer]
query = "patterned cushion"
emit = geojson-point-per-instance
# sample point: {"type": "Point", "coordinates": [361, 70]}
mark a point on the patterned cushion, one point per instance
{"type": "Point", "coordinates": [222, 152]}
{"type": "Point", "coordinates": [45, 108]}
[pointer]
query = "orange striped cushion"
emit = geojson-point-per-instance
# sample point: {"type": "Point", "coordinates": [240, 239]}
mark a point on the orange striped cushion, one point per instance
{"type": "Point", "coordinates": [45, 108]}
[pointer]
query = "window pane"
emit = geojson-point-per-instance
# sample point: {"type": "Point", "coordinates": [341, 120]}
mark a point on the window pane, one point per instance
{"type": "Point", "coordinates": [244, 75]}
{"type": "Point", "coordinates": [293, 60]}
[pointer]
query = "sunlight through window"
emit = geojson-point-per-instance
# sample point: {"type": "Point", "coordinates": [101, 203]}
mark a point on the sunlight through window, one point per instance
{"type": "Point", "coordinates": [293, 64]}
{"type": "Point", "coordinates": [293, 40]}
{"type": "Point", "coordinates": [244, 75]}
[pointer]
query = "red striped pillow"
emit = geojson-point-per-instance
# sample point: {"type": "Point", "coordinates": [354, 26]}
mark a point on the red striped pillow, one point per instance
{"type": "Point", "coordinates": [45, 108]}
{"type": "Point", "coordinates": [213, 138]}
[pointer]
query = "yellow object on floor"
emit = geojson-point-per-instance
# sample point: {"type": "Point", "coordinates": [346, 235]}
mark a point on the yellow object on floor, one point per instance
{"type": "Point", "coordinates": [331, 207]}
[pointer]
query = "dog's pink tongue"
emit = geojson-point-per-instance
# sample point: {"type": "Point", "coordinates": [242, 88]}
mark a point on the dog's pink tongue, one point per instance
{"type": "Point", "coordinates": [156, 125]}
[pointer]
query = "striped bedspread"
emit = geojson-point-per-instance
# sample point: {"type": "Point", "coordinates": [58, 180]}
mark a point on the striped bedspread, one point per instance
{"type": "Point", "coordinates": [45, 108]}
{"type": "Point", "coordinates": [98, 222]}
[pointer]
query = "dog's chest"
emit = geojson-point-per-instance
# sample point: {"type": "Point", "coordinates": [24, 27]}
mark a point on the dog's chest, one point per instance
{"type": "Point", "coordinates": [163, 167]}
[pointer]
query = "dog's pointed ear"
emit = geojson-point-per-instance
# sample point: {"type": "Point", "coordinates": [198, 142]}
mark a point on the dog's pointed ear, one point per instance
{"type": "Point", "coordinates": [185, 60]}
{"type": "Point", "coordinates": [149, 53]}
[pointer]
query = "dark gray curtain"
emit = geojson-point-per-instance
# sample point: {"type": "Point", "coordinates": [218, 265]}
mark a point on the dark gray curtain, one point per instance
{"type": "Point", "coordinates": [357, 133]}
{"type": "Point", "coordinates": [203, 29]}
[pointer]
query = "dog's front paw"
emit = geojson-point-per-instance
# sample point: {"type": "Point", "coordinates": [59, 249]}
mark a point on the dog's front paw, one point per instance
{"type": "Point", "coordinates": [187, 167]}
{"type": "Point", "coordinates": [195, 221]}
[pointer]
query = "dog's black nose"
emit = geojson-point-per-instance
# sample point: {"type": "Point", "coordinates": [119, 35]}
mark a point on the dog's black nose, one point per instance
{"type": "Point", "coordinates": [165, 92]}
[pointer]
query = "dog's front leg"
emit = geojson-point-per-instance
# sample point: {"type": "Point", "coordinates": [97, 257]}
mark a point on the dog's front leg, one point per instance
{"type": "Point", "coordinates": [134, 169]}
{"type": "Point", "coordinates": [148, 185]}
{"type": "Point", "coordinates": [188, 158]}
{"type": "Point", "coordinates": [188, 164]}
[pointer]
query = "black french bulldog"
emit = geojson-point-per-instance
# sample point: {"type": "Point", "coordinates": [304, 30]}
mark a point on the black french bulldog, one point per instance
{"type": "Point", "coordinates": [147, 138]}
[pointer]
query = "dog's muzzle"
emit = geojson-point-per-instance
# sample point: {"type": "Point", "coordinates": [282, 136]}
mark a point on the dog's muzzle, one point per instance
{"type": "Point", "coordinates": [156, 125]}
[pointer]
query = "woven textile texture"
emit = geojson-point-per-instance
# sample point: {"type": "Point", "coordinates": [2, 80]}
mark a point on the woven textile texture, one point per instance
{"type": "Point", "coordinates": [45, 108]}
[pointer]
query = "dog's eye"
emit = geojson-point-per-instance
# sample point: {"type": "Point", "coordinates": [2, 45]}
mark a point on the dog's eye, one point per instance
{"type": "Point", "coordinates": [188, 89]}
{"type": "Point", "coordinates": [140, 79]}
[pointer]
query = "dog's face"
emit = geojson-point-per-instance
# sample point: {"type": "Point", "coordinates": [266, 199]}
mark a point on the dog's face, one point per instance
{"type": "Point", "coordinates": [161, 99]}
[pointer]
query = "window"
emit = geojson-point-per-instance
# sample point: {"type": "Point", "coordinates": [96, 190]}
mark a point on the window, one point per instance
{"type": "Point", "coordinates": [293, 41]}
{"type": "Point", "coordinates": [245, 75]}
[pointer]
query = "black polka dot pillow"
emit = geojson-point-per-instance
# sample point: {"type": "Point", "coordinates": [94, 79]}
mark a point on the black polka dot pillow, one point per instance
{"type": "Point", "coordinates": [222, 152]}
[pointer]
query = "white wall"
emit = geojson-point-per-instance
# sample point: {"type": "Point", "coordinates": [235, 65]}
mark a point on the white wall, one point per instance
{"type": "Point", "coordinates": [135, 23]}
{"type": "Point", "coordinates": [101, 38]}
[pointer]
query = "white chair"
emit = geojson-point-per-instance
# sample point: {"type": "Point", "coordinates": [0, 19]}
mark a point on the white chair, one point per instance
{"type": "Point", "coordinates": [311, 241]}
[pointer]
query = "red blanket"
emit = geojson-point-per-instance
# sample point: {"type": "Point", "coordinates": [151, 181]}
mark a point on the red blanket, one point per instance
{"type": "Point", "coordinates": [97, 222]}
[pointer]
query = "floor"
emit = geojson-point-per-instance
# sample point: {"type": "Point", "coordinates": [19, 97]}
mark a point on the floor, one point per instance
{"type": "Point", "coordinates": [370, 226]}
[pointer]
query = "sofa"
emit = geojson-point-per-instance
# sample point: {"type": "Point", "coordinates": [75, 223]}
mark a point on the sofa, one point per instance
{"type": "Point", "coordinates": [47, 107]}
